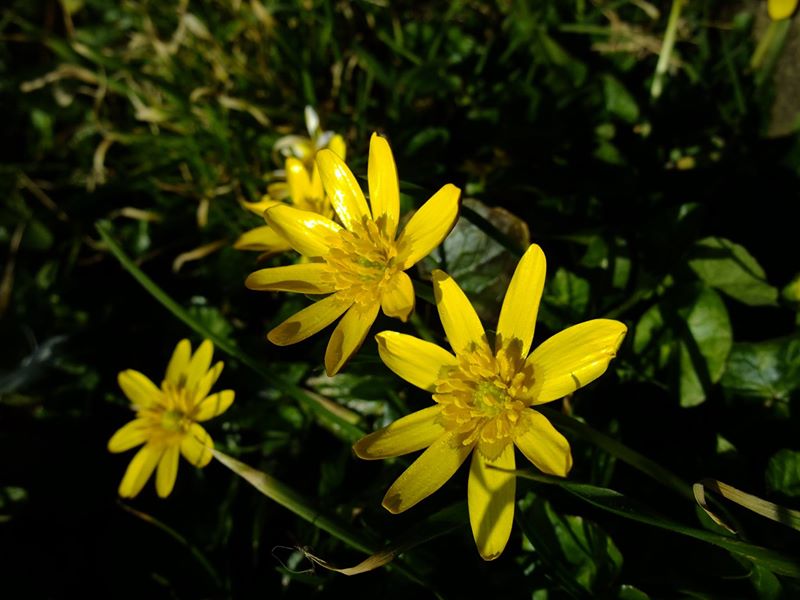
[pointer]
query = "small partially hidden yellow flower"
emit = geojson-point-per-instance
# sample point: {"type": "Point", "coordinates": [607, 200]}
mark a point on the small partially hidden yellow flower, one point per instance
{"type": "Point", "coordinates": [361, 266]}
{"type": "Point", "coordinates": [303, 186]}
{"type": "Point", "coordinates": [484, 398]}
{"type": "Point", "coordinates": [781, 9]}
{"type": "Point", "coordinates": [167, 419]}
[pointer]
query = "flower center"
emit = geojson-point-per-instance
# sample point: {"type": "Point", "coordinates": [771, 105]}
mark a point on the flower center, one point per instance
{"type": "Point", "coordinates": [360, 262]}
{"type": "Point", "coordinates": [173, 420]}
{"type": "Point", "coordinates": [482, 398]}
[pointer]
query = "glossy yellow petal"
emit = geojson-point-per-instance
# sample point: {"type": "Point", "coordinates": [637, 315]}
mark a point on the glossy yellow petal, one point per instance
{"type": "Point", "coordinates": [130, 435]}
{"type": "Point", "coordinates": [574, 357]}
{"type": "Point", "coordinates": [142, 392]}
{"type": "Point", "coordinates": [262, 239]}
{"type": "Point", "coordinates": [384, 188]}
{"type": "Point", "coordinates": [490, 497]}
{"type": "Point", "coordinates": [460, 321]}
{"type": "Point", "coordinates": [139, 470]}
{"type": "Point", "coordinates": [428, 473]}
{"type": "Point", "coordinates": [307, 278]}
{"type": "Point", "coordinates": [213, 405]}
{"type": "Point", "coordinates": [176, 369]}
{"type": "Point", "coordinates": [260, 207]}
{"type": "Point", "coordinates": [521, 303]}
{"type": "Point", "coordinates": [299, 183]}
{"type": "Point", "coordinates": [413, 432]}
{"type": "Point", "coordinates": [167, 471]}
{"type": "Point", "coordinates": [317, 191]}
{"type": "Point", "coordinates": [196, 446]}
{"type": "Point", "coordinates": [781, 9]}
{"type": "Point", "coordinates": [308, 321]}
{"type": "Point", "coordinates": [306, 232]}
{"type": "Point", "coordinates": [348, 336]}
{"type": "Point", "coordinates": [343, 190]}
{"type": "Point", "coordinates": [397, 299]}
{"type": "Point", "coordinates": [338, 147]}
{"type": "Point", "coordinates": [199, 364]}
{"type": "Point", "coordinates": [418, 362]}
{"type": "Point", "coordinates": [542, 444]}
{"type": "Point", "coordinates": [429, 226]}
{"type": "Point", "coordinates": [204, 386]}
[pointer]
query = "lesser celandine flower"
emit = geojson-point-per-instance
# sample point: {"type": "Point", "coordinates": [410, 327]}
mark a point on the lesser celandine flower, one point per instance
{"type": "Point", "coordinates": [359, 267]}
{"type": "Point", "coordinates": [485, 399]}
{"type": "Point", "coordinates": [168, 418]}
{"type": "Point", "coordinates": [781, 9]}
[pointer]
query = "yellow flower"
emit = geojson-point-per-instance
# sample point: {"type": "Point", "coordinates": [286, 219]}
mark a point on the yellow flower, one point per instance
{"type": "Point", "coordinates": [484, 398]}
{"type": "Point", "coordinates": [781, 9]}
{"type": "Point", "coordinates": [305, 193]}
{"type": "Point", "coordinates": [167, 419]}
{"type": "Point", "coordinates": [361, 266]}
{"type": "Point", "coordinates": [303, 187]}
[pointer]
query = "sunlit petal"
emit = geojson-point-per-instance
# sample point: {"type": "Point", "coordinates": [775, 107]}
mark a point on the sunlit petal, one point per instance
{"type": "Point", "coordinates": [781, 9]}
{"type": "Point", "coordinates": [167, 471]}
{"type": "Point", "coordinates": [142, 392]}
{"type": "Point", "coordinates": [343, 190]}
{"type": "Point", "coordinates": [307, 278]}
{"type": "Point", "coordinates": [204, 385]}
{"type": "Point", "coordinates": [574, 357]}
{"type": "Point", "coordinates": [309, 321]}
{"type": "Point", "coordinates": [338, 147]}
{"type": "Point", "coordinates": [298, 181]}
{"type": "Point", "coordinates": [413, 432]}
{"type": "Point", "coordinates": [348, 336]}
{"type": "Point", "coordinates": [415, 360]}
{"type": "Point", "coordinates": [262, 239]}
{"type": "Point", "coordinates": [129, 436]}
{"type": "Point", "coordinates": [429, 226]}
{"type": "Point", "coordinates": [213, 405]}
{"type": "Point", "coordinates": [490, 496]}
{"type": "Point", "coordinates": [428, 473]}
{"type": "Point", "coordinates": [384, 188]}
{"type": "Point", "coordinates": [139, 470]}
{"type": "Point", "coordinates": [460, 321]}
{"type": "Point", "coordinates": [199, 364]}
{"type": "Point", "coordinates": [260, 207]}
{"type": "Point", "coordinates": [521, 303]}
{"type": "Point", "coordinates": [398, 297]}
{"type": "Point", "coordinates": [305, 231]}
{"type": "Point", "coordinates": [196, 446]}
{"type": "Point", "coordinates": [176, 369]}
{"type": "Point", "coordinates": [542, 444]}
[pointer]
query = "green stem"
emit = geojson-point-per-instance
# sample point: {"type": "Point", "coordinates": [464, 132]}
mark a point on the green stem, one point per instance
{"type": "Point", "coordinates": [666, 49]}
{"type": "Point", "coordinates": [620, 451]}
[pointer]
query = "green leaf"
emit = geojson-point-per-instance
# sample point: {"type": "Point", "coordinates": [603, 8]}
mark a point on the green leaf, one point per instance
{"type": "Point", "coordinates": [703, 353]}
{"type": "Point", "coordinates": [577, 552]}
{"type": "Point", "coordinates": [619, 100]}
{"type": "Point", "coordinates": [565, 300]}
{"type": "Point", "coordinates": [480, 264]}
{"type": "Point", "coordinates": [616, 503]}
{"type": "Point", "coordinates": [768, 370]}
{"type": "Point", "coordinates": [783, 472]}
{"type": "Point", "coordinates": [732, 269]}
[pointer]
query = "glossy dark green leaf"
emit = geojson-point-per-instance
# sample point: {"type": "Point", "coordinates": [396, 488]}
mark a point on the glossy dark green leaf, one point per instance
{"type": "Point", "coordinates": [731, 269]}
{"type": "Point", "coordinates": [768, 370]}
{"type": "Point", "coordinates": [783, 472]}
